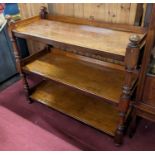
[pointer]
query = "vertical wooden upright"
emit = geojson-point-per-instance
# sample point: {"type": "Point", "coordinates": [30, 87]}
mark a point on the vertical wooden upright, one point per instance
{"type": "Point", "coordinates": [43, 12]}
{"type": "Point", "coordinates": [131, 60]}
{"type": "Point", "coordinates": [150, 42]}
{"type": "Point", "coordinates": [147, 54]}
{"type": "Point", "coordinates": [11, 24]}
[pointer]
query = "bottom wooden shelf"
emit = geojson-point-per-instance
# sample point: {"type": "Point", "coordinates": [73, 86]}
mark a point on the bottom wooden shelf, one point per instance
{"type": "Point", "coordinates": [87, 109]}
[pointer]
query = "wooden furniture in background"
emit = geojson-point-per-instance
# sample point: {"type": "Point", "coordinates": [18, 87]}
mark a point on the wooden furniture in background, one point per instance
{"type": "Point", "coordinates": [145, 96]}
{"type": "Point", "coordinates": [145, 108]}
{"type": "Point", "coordinates": [78, 83]}
{"type": "Point", "coordinates": [149, 96]}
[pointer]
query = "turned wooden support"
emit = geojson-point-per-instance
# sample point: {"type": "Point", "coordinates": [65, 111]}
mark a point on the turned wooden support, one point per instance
{"type": "Point", "coordinates": [131, 60]}
{"type": "Point", "coordinates": [13, 39]}
{"type": "Point", "coordinates": [132, 53]}
{"type": "Point", "coordinates": [43, 12]}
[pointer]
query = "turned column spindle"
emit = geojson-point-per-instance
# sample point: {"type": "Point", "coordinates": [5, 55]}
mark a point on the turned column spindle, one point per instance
{"type": "Point", "coordinates": [13, 39]}
{"type": "Point", "coordinates": [131, 61]}
{"type": "Point", "coordinates": [43, 12]}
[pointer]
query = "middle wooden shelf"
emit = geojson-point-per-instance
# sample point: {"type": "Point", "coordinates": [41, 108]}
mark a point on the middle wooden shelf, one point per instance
{"type": "Point", "coordinates": [92, 78]}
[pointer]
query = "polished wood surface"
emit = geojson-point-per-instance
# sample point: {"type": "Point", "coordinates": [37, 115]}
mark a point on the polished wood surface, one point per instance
{"type": "Point", "coordinates": [115, 13]}
{"type": "Point", "coordinates": [96, 38]}
{"type": "Point", "coordinates": [144, 107]}
{"type": "Point", "coordinates": [95, 79]}
{"type": "Point", "coordinates": [79, 106]}
{"type": "Point", "coordinates": [98, 23]}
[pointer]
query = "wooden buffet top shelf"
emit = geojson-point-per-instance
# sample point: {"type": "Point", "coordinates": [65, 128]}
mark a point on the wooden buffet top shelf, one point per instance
{"type": "Point", "coordinates": [91, 37]}
{"type": "Point", "coordinates": [93, 112]}
{"type": "Point", "coordinates": [95, 79]}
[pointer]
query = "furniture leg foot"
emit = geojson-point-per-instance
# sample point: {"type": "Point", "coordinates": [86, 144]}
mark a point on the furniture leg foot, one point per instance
{"type": "Point", "coordinates": [132, 127]}
{"type": "Point", "coordinates": [118, 139]}
{"type": "Point", "coordinates": [29, 100]}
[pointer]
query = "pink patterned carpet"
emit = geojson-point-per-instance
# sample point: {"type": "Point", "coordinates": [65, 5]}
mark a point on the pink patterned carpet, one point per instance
{"type": "Point", "coordinates": [34, 126]}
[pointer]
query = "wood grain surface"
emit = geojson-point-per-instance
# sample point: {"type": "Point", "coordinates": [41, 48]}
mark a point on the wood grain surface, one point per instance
{"type": "Point", "coordinates": [101, 39]}
{"type": "Point", "coordinates": [79, 106]}
{"type": "Point", "coordinates": [95, 79]}
{"type": "Point", "coordinates": [108, 12]}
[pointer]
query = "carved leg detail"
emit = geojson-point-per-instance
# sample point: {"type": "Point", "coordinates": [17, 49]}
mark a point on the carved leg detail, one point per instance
{"type": "Point", "coordinates": [119, 135]}
{"type": "Point", "coordinates": [131, 61]}
{"type": "Point", "coordinates": [120, 130]}
{"type": "Point", "coordinates": [26, 87]}
{"type": "Point", "coordinates": [123, 108]}
{"type": "Point", "coordinates": [11, 26]}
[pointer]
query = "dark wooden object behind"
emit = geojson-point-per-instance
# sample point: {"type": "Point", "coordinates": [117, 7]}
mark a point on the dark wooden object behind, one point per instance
{"type": "Point", "coordinates": [145, 97]}
{"type": "Point", "coordinates": [149, 91]}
